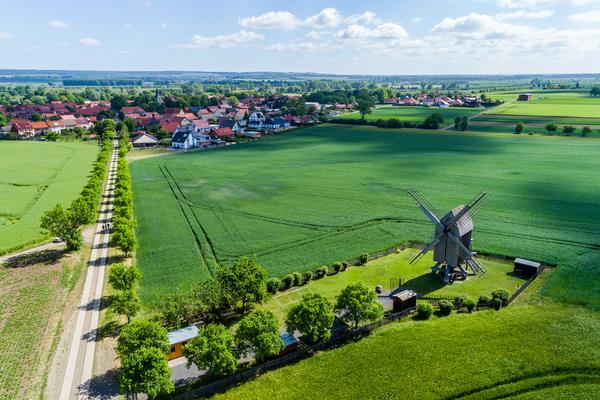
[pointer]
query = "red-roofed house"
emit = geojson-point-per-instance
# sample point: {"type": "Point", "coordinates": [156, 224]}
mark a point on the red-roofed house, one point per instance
{"type": "Point", "coordinates": [39, 127]}
{"type": "Point", "coordinates": [132, 109]}
{"type": "Point", "coordinates": [22, 127]}
{"type": "Point", "coordinates": [220, 133]}
{"type": "Point", "coordinates": [169, 126]}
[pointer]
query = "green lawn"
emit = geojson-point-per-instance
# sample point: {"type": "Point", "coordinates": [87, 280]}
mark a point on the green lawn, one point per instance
{"type": "Point", "coordinates": [315, 196]}
{"type": "Point", "coordinates": [416, 114]}
{"type": "Point", "coordinates": [387, 271]}
{"type": "Point", "coordinates": [35, 177]}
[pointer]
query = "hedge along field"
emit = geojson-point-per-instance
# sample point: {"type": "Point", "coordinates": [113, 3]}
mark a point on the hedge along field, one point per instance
{"type": "Point", "coordinates": [35, 177]}
{"type": "Point", "coordinates": [315, 196]}
{"type": "Point", "coordinates": [416, 114]}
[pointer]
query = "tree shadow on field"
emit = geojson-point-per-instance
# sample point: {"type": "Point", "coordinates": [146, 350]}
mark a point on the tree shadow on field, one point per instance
{"type": "Point", "coordinates": [47, 257]}
{"type": "Point", "coordinates": [101, 387]}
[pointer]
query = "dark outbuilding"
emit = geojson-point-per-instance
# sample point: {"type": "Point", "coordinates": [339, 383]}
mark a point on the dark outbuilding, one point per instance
{"type": "Point", "coordinates": [404, 300]}
{"type": "Point", "coordinates": [526, 267]}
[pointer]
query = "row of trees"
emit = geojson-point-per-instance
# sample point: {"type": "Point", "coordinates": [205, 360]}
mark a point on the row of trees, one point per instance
{"type": "Point", "coordinates": [124, 280]}
{"type": "Point", "coordinates": [64, 222]}
{"type": "Point", "coordinates": [123, 223]}
{"type": "Point", "coordinates": [217, 350]}
{"type": "Point", "coordinates": [552, 128]}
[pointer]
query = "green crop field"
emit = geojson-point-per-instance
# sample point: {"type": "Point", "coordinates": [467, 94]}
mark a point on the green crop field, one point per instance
{"type": "Point", "coordinates": [551, 104]}
{"type": "Point", "coordinates": [416, 114]}
{"type": "Point", "coordinates": [315, 196]}
{"type": "Point", "coordinates": [534, 352]}
{"type": "Point", "coordinates": [35, 177]}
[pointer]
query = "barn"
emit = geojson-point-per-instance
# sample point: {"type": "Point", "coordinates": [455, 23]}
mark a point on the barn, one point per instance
{"type": "Point", "coordinates": [526, 267]}
{"type": "Point", "coordinates": [524, 97]}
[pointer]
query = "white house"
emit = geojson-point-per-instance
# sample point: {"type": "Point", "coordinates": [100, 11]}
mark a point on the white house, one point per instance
{"type": "Point", "coordinates": [256, 120]}
{"type": "Point", "coordinates": [183, 139]}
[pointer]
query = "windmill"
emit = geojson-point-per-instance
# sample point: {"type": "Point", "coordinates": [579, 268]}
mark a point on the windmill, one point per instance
{"type": "Point", "coordinates": [451, 241]}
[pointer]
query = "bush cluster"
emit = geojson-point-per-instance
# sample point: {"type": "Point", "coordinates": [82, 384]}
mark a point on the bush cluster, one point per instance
{"type": "Point", "coordinates": [444, 308]}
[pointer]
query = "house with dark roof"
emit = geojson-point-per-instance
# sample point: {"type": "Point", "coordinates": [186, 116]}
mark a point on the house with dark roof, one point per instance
{"type": "Point", "coordinates": [183, 139]}
{"type": "Point", "coordinates": [234, 125]}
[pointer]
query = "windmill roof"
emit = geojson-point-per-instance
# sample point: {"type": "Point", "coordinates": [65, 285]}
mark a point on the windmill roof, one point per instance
{"type": "Point", "coordinates": [465, 224]}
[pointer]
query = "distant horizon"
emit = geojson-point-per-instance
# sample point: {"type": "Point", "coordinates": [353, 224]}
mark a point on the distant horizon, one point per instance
{"type": "Point", "coordinates": [382, 38]}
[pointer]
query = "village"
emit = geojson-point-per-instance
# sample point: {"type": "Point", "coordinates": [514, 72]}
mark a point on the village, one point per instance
{"type": "Point", "coordinates": [185, 128]}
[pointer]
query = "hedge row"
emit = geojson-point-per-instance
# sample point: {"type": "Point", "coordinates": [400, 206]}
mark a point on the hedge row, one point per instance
{"type": "Point", "coordinates": [123, 223]}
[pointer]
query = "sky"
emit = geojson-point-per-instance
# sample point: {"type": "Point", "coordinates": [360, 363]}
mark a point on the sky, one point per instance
{"type": "Point", "coordinates": [344, 37]}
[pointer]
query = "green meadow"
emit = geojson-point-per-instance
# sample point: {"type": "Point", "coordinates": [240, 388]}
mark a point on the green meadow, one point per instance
{"type": "Point", "coordinates": [315, 196]}
{"type": "Point", "coordinates": [416, 114]}
{"type": "Point", "coordinates": [35, 177]}
{"type": "Point", "coordinates": [550, 104]}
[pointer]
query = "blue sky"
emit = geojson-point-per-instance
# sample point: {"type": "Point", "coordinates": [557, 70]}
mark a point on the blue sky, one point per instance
{"type": "Point", "coordinates": [375, 37]}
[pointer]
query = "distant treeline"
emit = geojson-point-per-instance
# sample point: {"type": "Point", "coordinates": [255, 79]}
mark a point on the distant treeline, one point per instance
{"type": "Point", "coordinates": [101, 82]}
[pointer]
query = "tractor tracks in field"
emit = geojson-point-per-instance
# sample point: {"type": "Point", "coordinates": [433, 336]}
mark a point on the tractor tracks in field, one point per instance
{"type": "Point", "coordinates": [203, 242]}
{"type": "Point", "coordinates": [531, 383]}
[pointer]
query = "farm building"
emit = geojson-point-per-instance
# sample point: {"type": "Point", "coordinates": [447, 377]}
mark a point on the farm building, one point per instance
{"type": "Point", "coordinates": [179, 338]}
{"type": "Point", "coordinates": [526, 267]}
{"type": "Point", "coordinates": [524, 97]}
{"type": "Point", "coordinates": [143, 139]}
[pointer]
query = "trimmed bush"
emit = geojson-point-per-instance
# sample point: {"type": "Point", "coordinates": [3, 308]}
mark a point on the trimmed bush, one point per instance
{"type": "Point", "coordinates": [345, 265]}
{"type": "Point", "coordinates": [459, 302]}
{"type": "Point", "coordinates": [287, 281]}
{"type": "Point", "coordinates": [496, 303]}
{"type": "Point", "coordinates": [321, 272]}
{"type": "Point", "coordinates": [337, 266]}
{"type": "Point", "coordinates": [483, 300]}
{"type": "Point", "coordinates": [470, 304]}
{"type": "Point", "coordinates": [364, 257]}
{"type": "Point", "coordinates": [445, 308]}
{"type": "Point", "coordinates": [273, 285]}
{"type": "Point", "coordinates": [424, 311]}
{"type": "Point", "coordinates": [501, 294]}
{"type": "Point", "coordinates": [307, 276]}
{"type": "Point", "coordinates": [297, 278]}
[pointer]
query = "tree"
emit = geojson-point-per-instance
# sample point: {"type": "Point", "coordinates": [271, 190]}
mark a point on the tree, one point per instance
{"type": "Point", "coordinates": [122, 277]}
{"type": "Point", "coordinates": [457, 121]}
{"type": "Point", "coordinates": [212, 349]}
{"type": "Point", "coordinates": [244, 282]}
{"type": "Point", "coordinates": [35, 117]}
{"type": "Point", "coordinates": [519, 128]}
{"type": "Point", "coordinates": [365, 104]}
{"type": "Point", "coordinates": [124, 238]}
{"type": "Point", "coordinates": [258, 333]}
{"type": "Point", "coordinates": [568, 129]}
{"type": "Point", "coordinates": [118, 101]}
{"type": "Point", "coordinates": [357, 303]}
{"type": "Point", "coordinates": [142, 333]}
{"type": "Point", "coordinates": [595, 91]}
{"type": "Point", "coordinates": [233, 100]}
{"type": "Point", "coordinates": [551, 127]}
{"type": "Point", "coordinates": [82, 211]}
{"type": "Point", "coordinates": [127, 303]}
{"type": "Point", "coordinates": [586, 130]}
{"type": "Point", "coordinates": [60, 223]}
{"type": "Point", "coordinates": [464, 124]}
{"type": "Point", "coordinates": [433, 121]}
{"type": "Point", "coordinates": [146, 370]}
{"type": "Point", "coordinates": [53, 137]}
{"type": "Point", "coordinates": [312, 317]}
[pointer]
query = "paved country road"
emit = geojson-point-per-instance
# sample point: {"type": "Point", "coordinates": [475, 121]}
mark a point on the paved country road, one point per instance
{"type": "Point", "coordinates": [82, 339]}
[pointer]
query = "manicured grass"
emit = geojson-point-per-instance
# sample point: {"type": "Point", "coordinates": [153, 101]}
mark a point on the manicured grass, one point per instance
{"type": "Point", "coordinates": [387, 271]}
{"type": "Point", "coordinates": [35, 177]}
{"type": "Point", "coordinates": [315, 196]}
{"type": "Point", "coordinates": [484, 355]}
{"type": "Point", "coordinates": [416, 114]}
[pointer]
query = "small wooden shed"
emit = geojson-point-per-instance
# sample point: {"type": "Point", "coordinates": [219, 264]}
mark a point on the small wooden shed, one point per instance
{"type": "Point", "coordinates": [404, 300]}
{"type": "Point", "coordinates": [290, 343]}
{"type": "Point", "coordinates": [524, 97]}
{"type": "Point", "coordinates": [179, 338]}
{"type": "Point", "coordinates": [526, 267]}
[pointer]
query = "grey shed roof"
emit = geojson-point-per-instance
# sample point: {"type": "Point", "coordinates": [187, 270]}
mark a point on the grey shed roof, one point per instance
{"type": "Point", "coordinates": [527, 262]}
{"type": "Point", "coordinates": [183, 334]}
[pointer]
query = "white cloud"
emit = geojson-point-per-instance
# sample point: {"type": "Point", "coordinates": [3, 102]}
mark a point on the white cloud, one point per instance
{"type": "Point", "coordinates": [4, 35]}
{"type": "Point", "coordinates": [271, 19]}
{"type": "Point", "coordinates": [58, 24]}
{"type": "Point", "coordinates": [368, 17]}
{"type": "Point", "coordinates": [384, 31]}
{"type": "Point", "coordinates": [475, 26]}
{"type": "Point", "coordinates": [524, 3]}
{"type": "Point", "coordinates": [316, 35]}
{"type": "Point", "coordinates": [586, 17]}
{"type": "Point", "coordinates": [221, 41]}
{"type": "Point", "coordinates": [525, 14]}
{"type": "Point", "coordinates": [326, 18]}
{"type": "Point", "coordinates": [580, 3]}
{"type": "Point", "coordinates": [128, 26]}
{"type": "Point", "coordinates": [89, 42]}
{"type": "Point", "coordinates": [292, 46]}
